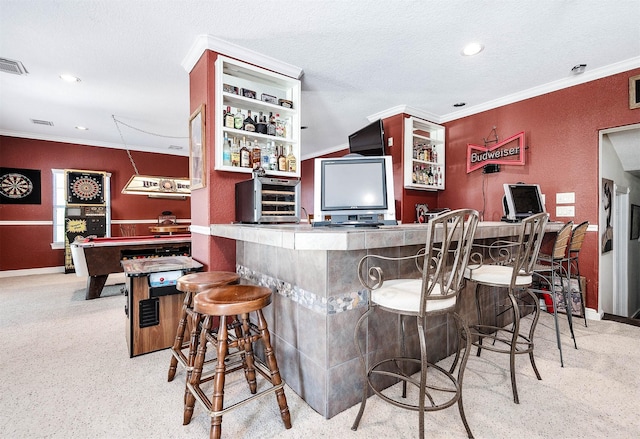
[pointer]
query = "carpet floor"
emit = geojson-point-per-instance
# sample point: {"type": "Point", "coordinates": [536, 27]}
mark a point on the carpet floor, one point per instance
{"type": "Point", "coordinates": [66, 373]}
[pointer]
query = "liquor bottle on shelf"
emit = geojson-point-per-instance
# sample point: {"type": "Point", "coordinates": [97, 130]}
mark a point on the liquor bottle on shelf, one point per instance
{"type": "Point", "coordinates": [256, 156]}
{"type": "Point", "coordinates": [291, 160]}
{"type": "Point", "coordinates": [235, 153]}
{"type": "Point", "coordinates": [226, 151]}
{"type": "Point", "coordinates": [429, 176]}
{"type": "Point", "coordinates": [273, 157]}
{"type": "Point", "coordinates": [414, 174]}
{"type": "Point", "coordinates": [266, 156]}
{"type": "Point", "coordinates": [261, 124]}
{"type": "Point", "coordinates": [228, 118]}
{"type": "Point", "coordinates": [279, 126]}
{"type": "Point", "coordinates": [282, 160]}
{"type": "Point", "coordinates": [271, 127]}
{"type": "Point", "coordinates": [249, 124]}
{"type": "Point", "coordinates": [237, 120]}
{"type": "Point", "coordinates": [245, 155]}
{"type": "Point", "coordinates": [440, 176]}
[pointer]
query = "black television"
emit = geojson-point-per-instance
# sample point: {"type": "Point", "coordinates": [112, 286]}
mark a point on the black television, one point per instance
{"type": "Point", "coordinates": [368, 141]}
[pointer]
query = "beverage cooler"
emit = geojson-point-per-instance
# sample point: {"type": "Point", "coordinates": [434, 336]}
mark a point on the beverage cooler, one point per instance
{"type": "Point", "coordinates": [268, 200]}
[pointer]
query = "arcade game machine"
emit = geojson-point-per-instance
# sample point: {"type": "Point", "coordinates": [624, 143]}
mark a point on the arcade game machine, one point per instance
{"type": "Point", "coordinates": [86, 210]}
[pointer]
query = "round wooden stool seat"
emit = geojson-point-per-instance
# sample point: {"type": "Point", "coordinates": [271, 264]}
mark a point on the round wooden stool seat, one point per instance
{"type": "Point", "coordinates": [197, 282]}
{"type": "Point", "coordinates": [230, 300]}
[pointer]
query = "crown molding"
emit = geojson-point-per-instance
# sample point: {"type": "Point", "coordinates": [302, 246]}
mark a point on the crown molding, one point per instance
{"type": "Point", "coordinates": [592, 75]}
{"type": "Point", "coordinates": [209, 42]}
{"type": "Point", "coordinates": [400, 109]}
{"type": "Point", "coordinates": [85, 142]}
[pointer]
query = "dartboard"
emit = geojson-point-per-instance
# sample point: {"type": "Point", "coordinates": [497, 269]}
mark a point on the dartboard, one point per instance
{"type": "Point", "coordinates": [15, 186]}
{"type": "Point", "coordinates": [85, 188]}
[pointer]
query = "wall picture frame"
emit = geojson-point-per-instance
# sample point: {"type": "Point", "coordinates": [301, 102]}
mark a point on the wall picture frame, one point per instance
{"type": "Point", "coordinates": [634, 92]}
{"type": "Point", "coordinates": [634, 233]}
{"type": "Point", "coordinates": [197, 149]}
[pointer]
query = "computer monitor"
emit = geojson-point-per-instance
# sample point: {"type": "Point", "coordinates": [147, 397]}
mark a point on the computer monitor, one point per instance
{"type": "Point", "coordinates": [354, 191]}
{"type": "Point", "coordinates": [521, 200]}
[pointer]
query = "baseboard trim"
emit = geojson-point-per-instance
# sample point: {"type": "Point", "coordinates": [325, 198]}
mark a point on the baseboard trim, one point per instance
{"type": "Point", "coordinates": [592, 314]}
{"type": "Point", "coordinates": [31, 271]}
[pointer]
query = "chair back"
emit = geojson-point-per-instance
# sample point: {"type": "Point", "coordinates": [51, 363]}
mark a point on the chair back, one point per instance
{"type": "Point", "coordinates": [562, 242]}
{"type": "Point", "coordinates": [577, 238]}
{"type": "Point", "coordinates": [530, 240]}
{"type": "Point", "coordinates": [446, 255]}
{"type": "Point", "coordinates": [127, 230]}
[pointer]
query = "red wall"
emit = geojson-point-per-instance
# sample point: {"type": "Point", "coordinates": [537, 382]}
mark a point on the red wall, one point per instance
{"type": "Point", "coordinates": [23, 247]}
{"type": "Point", "coordinates": [215, 203]}
{"type": "Point", "coordinates": [561, 134]}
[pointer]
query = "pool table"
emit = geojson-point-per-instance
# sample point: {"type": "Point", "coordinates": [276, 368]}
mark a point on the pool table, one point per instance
{"type": "Point", "coordinates": [99, 257]}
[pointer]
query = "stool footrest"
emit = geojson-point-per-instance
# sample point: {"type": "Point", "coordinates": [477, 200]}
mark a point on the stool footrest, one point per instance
{"type": "Point", "coordinates": [204, 401]}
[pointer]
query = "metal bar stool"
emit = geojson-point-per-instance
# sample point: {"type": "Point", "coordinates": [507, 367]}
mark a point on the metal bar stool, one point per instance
{"type": "Point", "coordinates": [192, 284]}
{"type": "Point", "coordinates": [573, 267]}
{"type": "Point", "coordinates": [440, 266]}
{"type": "Point", "coordinates": [232, 303]}
{"type": "Point", "coordinates": [511, 270]}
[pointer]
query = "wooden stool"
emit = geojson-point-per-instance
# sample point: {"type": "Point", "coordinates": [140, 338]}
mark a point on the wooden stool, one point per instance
{"type": "Point", "coordinates": [226, 303]}
{"type": "Point", "coordinates": [191, 284]}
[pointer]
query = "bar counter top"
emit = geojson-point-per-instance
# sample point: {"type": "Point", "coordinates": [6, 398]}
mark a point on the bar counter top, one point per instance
{"type": "Point", "coordinates": [304, 237]}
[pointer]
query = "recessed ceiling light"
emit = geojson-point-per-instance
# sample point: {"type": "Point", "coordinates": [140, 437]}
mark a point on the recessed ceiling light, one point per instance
{"type": "Point", "coordinates": [69, 78]}
{"type": "Point", "coordinates": [472, 49]}
{"type": "Point", "coordinates": [459, 104]}
{"type": "Point", "coordinates": [81, 128]}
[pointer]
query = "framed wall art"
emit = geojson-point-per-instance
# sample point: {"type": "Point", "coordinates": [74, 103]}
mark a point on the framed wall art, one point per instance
{"type": "Point", "coordinates": [634, 92]}
{"type": "Point", "coordinates": [635, 222]}
{"type": "Point", "coordinates": [197, 149]}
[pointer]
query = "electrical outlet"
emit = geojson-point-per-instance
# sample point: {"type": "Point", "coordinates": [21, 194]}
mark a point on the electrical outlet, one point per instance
{"type": "Point", "coordinates": [390, 141]}
{"type": "Point", "coordinates": [563, 211]}
{"type": "Point", "coordinates": [566, 198]}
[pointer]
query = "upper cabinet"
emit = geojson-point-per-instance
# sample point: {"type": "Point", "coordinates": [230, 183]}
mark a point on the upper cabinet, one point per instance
{"type": "Point", "coordinates": [424, 164]}
{"type": "Point", "coordinates": [259, 122]}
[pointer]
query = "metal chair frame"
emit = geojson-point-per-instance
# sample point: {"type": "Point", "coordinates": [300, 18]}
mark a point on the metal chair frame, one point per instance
{"type": "Point", "coordinates": [440, 265]}
{"type": "Point", "coordinates": [516, 259]}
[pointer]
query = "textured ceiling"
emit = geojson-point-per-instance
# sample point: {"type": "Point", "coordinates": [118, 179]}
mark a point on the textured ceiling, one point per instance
{"type": "Point", "coordinates": [359, 57]}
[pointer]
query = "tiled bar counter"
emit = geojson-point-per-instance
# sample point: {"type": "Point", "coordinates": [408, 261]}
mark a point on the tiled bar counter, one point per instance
{"type": "Point", "coordinates": [318, 299]}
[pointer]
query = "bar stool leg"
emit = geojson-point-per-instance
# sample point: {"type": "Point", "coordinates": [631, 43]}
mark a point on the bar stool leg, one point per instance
{"type": "Point", "coordinates": [276, 380]}
{"type": "Point", "coordinates": [217, 399]}
{"type": "Point", "coordinates": [196, 363]}
{"type": "Point", "coordinates": [245, 345]}
{"type": "Point", "coordinates": [177, 344]}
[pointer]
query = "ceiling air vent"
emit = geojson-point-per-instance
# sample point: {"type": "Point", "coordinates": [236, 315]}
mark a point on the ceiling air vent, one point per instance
{"type": "Point", "coordinates": [175, 147]}
{"type": "Point", "coordinates": [11, 66]}
{"type": "Point", "coordinates": [42, 122]}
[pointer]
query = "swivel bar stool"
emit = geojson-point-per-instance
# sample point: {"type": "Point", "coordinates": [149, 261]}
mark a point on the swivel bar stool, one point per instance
{"type": "Point", "coordinates": [440, 267]}
{"type": "Point", "coordinates": [573, 267]}
{"type": "Point", "coordinates": [192, 284]}
{"type": "Point", "coordinates": [511, 269]}
{"type": "Point", "coordinates": [232, 303]}
{"type": "Point", "coordinates": [550, 271]}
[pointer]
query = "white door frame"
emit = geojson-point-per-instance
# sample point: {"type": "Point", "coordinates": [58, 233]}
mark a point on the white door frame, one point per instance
{"type": "Point", "coordinates": [620, 251]}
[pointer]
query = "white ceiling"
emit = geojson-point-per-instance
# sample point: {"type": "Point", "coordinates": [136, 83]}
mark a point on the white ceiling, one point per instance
{"type": "Point", "coordinates": [359, 58]}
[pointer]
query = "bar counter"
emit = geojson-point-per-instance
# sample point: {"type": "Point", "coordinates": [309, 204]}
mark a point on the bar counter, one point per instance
{"type": "Point", "coordinates": [318, 299]}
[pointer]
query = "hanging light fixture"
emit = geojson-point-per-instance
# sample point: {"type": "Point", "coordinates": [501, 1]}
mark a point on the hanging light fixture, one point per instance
{"type": "Point", "coordinates": [152, 186]}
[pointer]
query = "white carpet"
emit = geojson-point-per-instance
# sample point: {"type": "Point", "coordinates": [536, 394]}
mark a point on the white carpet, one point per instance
{"type": "Point", "coordinates": [66, 373]}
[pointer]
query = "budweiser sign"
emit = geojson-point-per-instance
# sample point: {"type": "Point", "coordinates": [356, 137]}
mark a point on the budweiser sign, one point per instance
{"type": "Point", "coordinates": [508, 152]}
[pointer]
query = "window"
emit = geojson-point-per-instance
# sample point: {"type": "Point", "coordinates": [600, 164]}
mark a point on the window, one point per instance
{"type": "Point", "coordinates": [59, 205]}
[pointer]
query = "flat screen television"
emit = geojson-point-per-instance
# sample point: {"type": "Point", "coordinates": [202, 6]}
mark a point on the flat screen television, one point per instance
{"type": "Point", "coordinates": [368, 141]}
{"type": "Point", "coordinates": [354, 191]}
{"type": "Point", "coordinates": [521, 200]}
